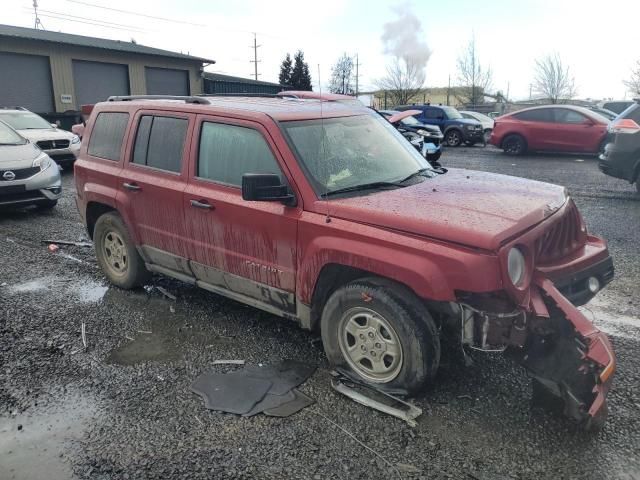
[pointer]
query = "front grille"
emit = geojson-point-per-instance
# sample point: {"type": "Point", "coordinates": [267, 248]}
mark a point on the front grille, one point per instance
{"type": "Point", "coordinates": [563, 237]}
{"type": "Point", "coordinates": [53, 144]}
{"type": "Point", "coordinates": [21, 173]}
{"type": "Point", "coordinates": [6, 198]}
{"type": "Point", "coordinates": [63, 157]}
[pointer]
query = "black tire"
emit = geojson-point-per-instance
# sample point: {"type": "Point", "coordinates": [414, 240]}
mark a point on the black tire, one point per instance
{"type": "Point", "coordinates": [46, 205]}
{"type": "Point", "coordinates": [434, 157]}
{"type": "Point", "coordinates": [514, 145]}
{"type": "Point", "coordinates": [411, 325]}
{"type": "Point", "coordinates": [131, 271]}
{"type": "Point", "coordinates": [453, 137]}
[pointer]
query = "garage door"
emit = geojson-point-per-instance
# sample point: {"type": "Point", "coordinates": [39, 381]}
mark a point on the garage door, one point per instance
{"type": "Point", "coordinates": [166, 81]}
{"type": "Point", "coordinates": [96, 81]}
{"type": "Point", "coordinates": [26, 81]}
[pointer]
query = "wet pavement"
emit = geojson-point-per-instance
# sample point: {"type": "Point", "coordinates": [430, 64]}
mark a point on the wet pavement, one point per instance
{"type": "Point", "coordinates": [122, 408]}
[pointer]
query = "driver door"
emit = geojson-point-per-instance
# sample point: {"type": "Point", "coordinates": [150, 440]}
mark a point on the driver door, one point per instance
{"type": "Point", "coordinates": [248, 248]}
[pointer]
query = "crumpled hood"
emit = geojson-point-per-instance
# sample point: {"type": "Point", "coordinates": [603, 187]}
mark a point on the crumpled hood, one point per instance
{"type": "Point", "coordinates": [35, 135]}
{"type": "Point", "coordinates": [18, 156]}
{"type": "Point", "coordinates": [471, 208]}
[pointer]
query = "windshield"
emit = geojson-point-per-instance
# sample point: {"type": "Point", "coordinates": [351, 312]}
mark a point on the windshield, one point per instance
{"type": "Point", "coordinates": [356, 151]}
{"type": "Point", "coordinates": [410, 121]}
{"type": "Point", "coordinates": [24, 120]}
{"type": "Point", "coordinates": [8, 136]}
{"type": "Point", "coordinates": [452, 113]}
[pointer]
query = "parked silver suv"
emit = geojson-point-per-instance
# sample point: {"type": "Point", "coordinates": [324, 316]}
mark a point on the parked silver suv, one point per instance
{"type": "Point", "coordinates": [27, 175]}
{"type": "Point", "coordinates": [60, 145]}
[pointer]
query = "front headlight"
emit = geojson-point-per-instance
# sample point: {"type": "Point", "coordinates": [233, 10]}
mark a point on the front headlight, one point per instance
{"type": "Point", "coordinates": [43, 161]}
{"type": "Point", "coordinates": [516, 266]}
{"type": "Point", "coordinates": [424, 133]}
{"type": "Point", "coordinates": [75, 139]}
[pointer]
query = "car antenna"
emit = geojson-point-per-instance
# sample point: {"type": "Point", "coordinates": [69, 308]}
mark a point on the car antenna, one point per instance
{"type": "Point", "coordinates": [323, 146]}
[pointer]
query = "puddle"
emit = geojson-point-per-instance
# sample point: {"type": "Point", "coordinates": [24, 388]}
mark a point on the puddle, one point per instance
{"type": "Point", "coordinates": [38, 449]}
{"type": "Point", "coordinates": [145, 348]}
{"type": "Point", "coordinates": [85, 289]}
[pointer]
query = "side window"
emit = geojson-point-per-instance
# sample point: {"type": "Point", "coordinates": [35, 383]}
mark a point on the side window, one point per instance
{"type": "Point", "coordinates": [227, 152]}
{"type": "Point", "coordinates": [160, 142]}
{"type": "Point", "coordinates": [107, 135]}
{"type": "Point", "coordinates": [538, 115]}
{"type": "Point", "coordinates": [568, 116]}
{"type": "Point", "coordinates": [433, 113]}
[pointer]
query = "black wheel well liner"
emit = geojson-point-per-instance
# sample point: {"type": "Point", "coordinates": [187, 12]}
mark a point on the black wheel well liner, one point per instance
{"type": "Point", "coordinates": [334, 276]}
{"type": "Point", "coordinates": [94, 211]}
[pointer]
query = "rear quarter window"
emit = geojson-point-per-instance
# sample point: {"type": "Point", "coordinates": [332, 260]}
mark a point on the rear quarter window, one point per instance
{"type": "Point", "coordinates": [107, 135]}
{"type": "Point", "coordinates": [541, 115]}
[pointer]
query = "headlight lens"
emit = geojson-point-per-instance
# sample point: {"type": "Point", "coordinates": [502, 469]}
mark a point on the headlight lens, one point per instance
{"type": "Point", "coordinates": [424, 133]}
{"type": "Point", "coordinates": [516, 265]}
{"type": "Point", "coordinates": [470, 127]}
{"type": "Point", "coordinates": [75, 139]}
{"type": "Point", "coordinates": [43, 161]}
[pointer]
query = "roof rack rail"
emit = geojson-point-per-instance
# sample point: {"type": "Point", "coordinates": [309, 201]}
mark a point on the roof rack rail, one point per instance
{"type": "Point", "coordinates": [185, 98]}
{"type": "Point", "coordinates": [266, 95]}
{"type": "Point", "coordinates": [9, 107]}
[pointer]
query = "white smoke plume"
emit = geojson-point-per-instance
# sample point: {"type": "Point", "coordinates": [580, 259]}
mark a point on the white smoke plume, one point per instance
{"type": "Point", "coordinates": [404, 38]}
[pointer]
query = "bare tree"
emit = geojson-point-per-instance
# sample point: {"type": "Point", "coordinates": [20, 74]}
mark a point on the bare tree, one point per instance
{"type": "Point", "coordinates": [633, 84]}
{"type": "Point", "coordinates": [474, 78]}
{"type": "Point", "coordinates": [553, 80]}
{"type": "Point", "coordinates": [403, 81]}
{"type": "Point", "coordinates": [342, 76]}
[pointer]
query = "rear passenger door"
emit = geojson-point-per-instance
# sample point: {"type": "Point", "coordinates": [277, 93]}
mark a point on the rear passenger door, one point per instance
{"type": "Point", "coordinates": [538, 128]}
{"type": "Point", "coordinates": [152, 183]}
{"type": "Point", "coordinates": [247, 248]}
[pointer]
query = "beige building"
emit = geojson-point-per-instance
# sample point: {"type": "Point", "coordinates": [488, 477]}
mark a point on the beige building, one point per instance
{"type": "Point", "coordinates": [52, 72]}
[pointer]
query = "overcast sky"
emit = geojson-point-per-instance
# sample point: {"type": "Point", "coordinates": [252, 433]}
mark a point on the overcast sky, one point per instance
{"type": "Point", "coordinates": [600, 41]}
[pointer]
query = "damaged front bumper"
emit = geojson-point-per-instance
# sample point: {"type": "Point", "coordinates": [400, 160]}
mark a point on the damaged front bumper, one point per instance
{"type": "Point", "coordinates": [564, 352]}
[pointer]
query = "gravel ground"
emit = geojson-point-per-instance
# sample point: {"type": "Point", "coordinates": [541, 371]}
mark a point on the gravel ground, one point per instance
{"type": "Point", "coordinates": [123, 409]}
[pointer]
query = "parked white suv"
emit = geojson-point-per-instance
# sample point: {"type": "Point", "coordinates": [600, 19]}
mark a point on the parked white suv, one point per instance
{"type": "Point", "coordinates": [60, 145]}
{"type": "Point", "coordinates": [486, 121]}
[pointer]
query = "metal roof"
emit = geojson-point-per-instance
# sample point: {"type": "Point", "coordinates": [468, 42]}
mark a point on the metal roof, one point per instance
{"type": "Point", "coordinates": [218, 77]}
{"type": "Point", "coordinates": [92, 42]}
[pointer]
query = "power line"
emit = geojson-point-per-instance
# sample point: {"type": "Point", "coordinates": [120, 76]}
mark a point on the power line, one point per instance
{"type": "Point", "coordinates": [94, 20]}
{"type": "Point", "coordinates": [136, 13]}
{"type": "Point", "coordinates": [92, 23]}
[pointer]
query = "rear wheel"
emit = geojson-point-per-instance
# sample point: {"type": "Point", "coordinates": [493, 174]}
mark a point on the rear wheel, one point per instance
{"type": "Point", "coordinates": [514, 145]}
{"type": "Point", "coordinates": [381, 334]}
{"type": "Point", "coordinates": [117, 254]}
{"type": "Point", "coordinates": [453, 138]}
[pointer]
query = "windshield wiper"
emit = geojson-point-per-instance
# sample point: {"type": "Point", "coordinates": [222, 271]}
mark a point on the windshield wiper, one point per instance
{"type": "Point", "coordinates": [417, 174]}
{"type": "Point", "coordinates": [364, 186]}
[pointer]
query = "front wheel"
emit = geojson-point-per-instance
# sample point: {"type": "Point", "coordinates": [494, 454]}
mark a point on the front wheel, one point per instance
{"type": "Point", "coordinates": [382, 335]}
{"type": "Point", "coordinates": [453, 138]}
{"type": "Point", "coordinates": [514, 145]}
{"type": "Point", "coordinates": [117, 254]}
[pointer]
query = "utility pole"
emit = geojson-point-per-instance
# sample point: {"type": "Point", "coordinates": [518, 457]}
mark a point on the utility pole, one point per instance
{"type": "Point", "coordinates": [449, 90]}
{"type": "Point", "coordinates": [530, 89]}
{"type": "Point", "coordinates": [37, 22]}
{"type": "Point", "coordinates": [508, 86]}
{"type": "Point", "coordinates": [357, 75]}
{"type": "Point", "coordinates": [255, 55]}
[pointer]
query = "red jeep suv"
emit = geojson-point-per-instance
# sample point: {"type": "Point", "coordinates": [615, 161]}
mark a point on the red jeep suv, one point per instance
{"type": "Point", "coordinates": [321, 212]}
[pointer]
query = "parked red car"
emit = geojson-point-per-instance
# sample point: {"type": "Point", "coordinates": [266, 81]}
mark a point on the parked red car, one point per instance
{"type": "Point", "coordinates": [552, 128]}
{"type": "Point", "coordinates": [322, 213]}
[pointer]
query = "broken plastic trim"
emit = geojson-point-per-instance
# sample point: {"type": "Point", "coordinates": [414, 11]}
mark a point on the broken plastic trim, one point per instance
{"type": "Point", "coordinates": [409, 414]}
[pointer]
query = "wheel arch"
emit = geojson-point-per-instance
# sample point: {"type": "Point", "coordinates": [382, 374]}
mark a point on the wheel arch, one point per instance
{"type": "Point", "coordinates": [94, 211]}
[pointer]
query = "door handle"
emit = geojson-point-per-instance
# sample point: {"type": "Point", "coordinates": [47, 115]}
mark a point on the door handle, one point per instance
{"type": "Point", "coordinates": [203, 205]}
{"type": "Point", "coordinates": [132, 186]}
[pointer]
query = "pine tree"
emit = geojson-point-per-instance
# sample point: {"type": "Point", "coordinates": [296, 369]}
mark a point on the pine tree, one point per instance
{"type": "Point", "coordinates": [286, 69]}
{"type": "Point", "coordinates": [300, 77]}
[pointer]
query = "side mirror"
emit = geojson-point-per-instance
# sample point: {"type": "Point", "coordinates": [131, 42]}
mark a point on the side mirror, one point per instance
{"type": "Point", "coordinates": [53, 125]}
{"type": "Point", "coordinates": [266, 187]}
